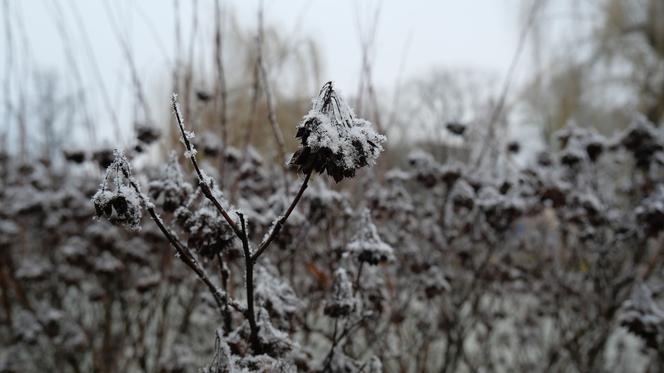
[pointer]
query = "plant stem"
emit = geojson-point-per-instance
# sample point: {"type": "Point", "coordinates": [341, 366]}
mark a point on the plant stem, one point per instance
{"type": "Point", "coordinates": [249, 269]}
{"type": "Point", "coordinates": [205, 188]}
{"type": "Point", "coordinates": [278, 224]}
{"type": "Point", "coordinates": [225, 275]}
{"type": "Point", "coordinates": [185, 255]}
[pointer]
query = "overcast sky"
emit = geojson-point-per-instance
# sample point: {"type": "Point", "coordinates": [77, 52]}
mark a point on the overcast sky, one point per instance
{"type": "Point", "coordinates": [416, 34]}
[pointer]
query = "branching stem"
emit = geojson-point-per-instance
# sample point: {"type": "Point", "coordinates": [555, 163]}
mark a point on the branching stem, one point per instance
{"type": "Point", "coordinates": [279, 223]}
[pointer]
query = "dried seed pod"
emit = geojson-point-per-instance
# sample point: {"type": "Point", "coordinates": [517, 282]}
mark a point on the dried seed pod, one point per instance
{"type": "Point", "coordinates": [333, 141]}
{"type": "Point", "coordinates": [123, 204]}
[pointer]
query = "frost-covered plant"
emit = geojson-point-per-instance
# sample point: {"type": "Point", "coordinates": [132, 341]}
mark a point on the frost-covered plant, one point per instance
{"type": "Point", "coordinates": [643, 317]}
{"type": "Point", "coordinates": [524, 269]}
{"type": "Point", "coordinates": [333, 140]}
{"type": "Point", "coordinates": [275, 295]}
{"type": "Point", "coordinates": [341, 302]}
{"type": "Point", "coordinates": [643, 140]}
{"type": "Point", "coordinates": [116, 199]}
{"type": "Point", "coordinates": [651, 212]}
{"type": "Point", "coordinates": [170, 191]}
{"type": "Point", "coordinates": [366, 245]}
{"type": "Point", "coordinates": [147, 134]}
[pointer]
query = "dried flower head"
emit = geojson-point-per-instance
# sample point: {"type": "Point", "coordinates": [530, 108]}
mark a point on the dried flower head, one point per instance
{"type": "Point", "coordinates": [118, 200]}
{"type": "Point", "coordinates": [367, 245]}
{"type": "Point", "coordinates": [642, 317]}
{"type": "Point", "coordinates": [642, 140]}
{"type": "Point", "coordinates": [74, 155]}
{"type": "Point", "coordinates": [462, 195]}
{"type": "Point", "coordinates": [595, 145]}
{"type": "Point", "coordinates": [275, 295]}
{"type": "Point", "coordinates": [342, 302]}
{"type": "Point", "coordinates": [208, 232]}
{"type": "Point", "coordinates": [147, 133]}
{"type": "Point", "coordinates": [650, 214]}
{"type": "Point", "coordinates": [171, 190]}
{"type": "Point", "coordinates": [333, 140]}
{"type": "Point", "coordinates": [456, 128]}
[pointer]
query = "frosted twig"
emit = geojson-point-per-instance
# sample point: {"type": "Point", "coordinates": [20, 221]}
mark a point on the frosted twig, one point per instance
{"type": "Point", "coordinates": [221, 298]}
{"type": "Point", "coordinates": [191, 154]}
{"type": "Point", "coordinates": [278, 224]}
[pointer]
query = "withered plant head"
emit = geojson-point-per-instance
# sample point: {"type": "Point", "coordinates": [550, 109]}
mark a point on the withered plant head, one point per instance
{"type": "Point", "coordinates": [341, 302]}
{"type": "Point", "coordinates": [366, 245]}
{"type": "Point", "coordinates": [171, 190]}
{"type": "Point", "coordinates": [333, 140]}
{"type": "Point", "coordinates": [117, 199]}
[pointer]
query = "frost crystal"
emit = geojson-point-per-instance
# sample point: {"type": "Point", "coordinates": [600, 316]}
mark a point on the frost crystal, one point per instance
{"type": "Point", "coordinates": [190, 153]}
{"type": "Point", "coordinates": [367, 245]}
{"type": "Point", "coordinates": [333, 141]}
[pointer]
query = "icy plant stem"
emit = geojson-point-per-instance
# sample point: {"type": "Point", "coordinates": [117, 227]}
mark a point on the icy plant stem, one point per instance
{"type": "Point", "coordinates": [205, 188]}
{"type": "Point", "coordinates": [279, 223]}
{"type": "Point", "coordinates": [249, 268]}
{"type": "Point", "coordinates": [357, 279]}
{"type": "Point", "coordinates": [240, 232]}
{"type": "Point", "coordinates": [220, 297]}
{"type": "Point", "coordinates": [225, 275]}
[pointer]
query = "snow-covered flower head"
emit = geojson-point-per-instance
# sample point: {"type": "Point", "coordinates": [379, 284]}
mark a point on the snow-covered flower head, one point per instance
{"type": "Point", "coordinates": [367, 245]}
{"type": "Point", "coordinates": [341, 303]}
{"type": "Point", "coordinates": [650, 213]}
{"type": "Point", "coordinates": [208, 233]}
{"type": "Point", "coordinates": [333, 140]}
{"type": "Point", "coordinates": [642, 316]}
{"type": "Point", "coordinates": [170, 191]}
{"type": "Point", "coordinates": [643, 140]}
{"type": "Point", "coordinates": [117, 199]}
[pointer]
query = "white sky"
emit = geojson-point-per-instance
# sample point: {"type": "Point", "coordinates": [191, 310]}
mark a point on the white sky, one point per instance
{"type": "Point", "coordinates": [470, 34]}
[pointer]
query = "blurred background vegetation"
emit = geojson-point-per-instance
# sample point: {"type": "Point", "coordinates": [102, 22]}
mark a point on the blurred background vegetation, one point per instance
{"type": "Point", "coordinates": [594, 63]}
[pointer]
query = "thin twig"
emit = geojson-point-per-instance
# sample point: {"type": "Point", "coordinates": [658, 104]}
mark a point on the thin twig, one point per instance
{"type": "Point", "coordinates": [225, 275]}
{"type": "Point", "coordinates": [220, 297]}
{"type": "Point", "coordinates": [249, 269]}
{"type": "Point", "coordinates": [222, 94]}
{"type": "Point", "coordinates": [205, 188]}
{"type": "Point", "coordinates": [269, 99]}
{"type": "Point", "coordinates": [278, 224]}
{"type": "Point", "coordinates": [508, 81]}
